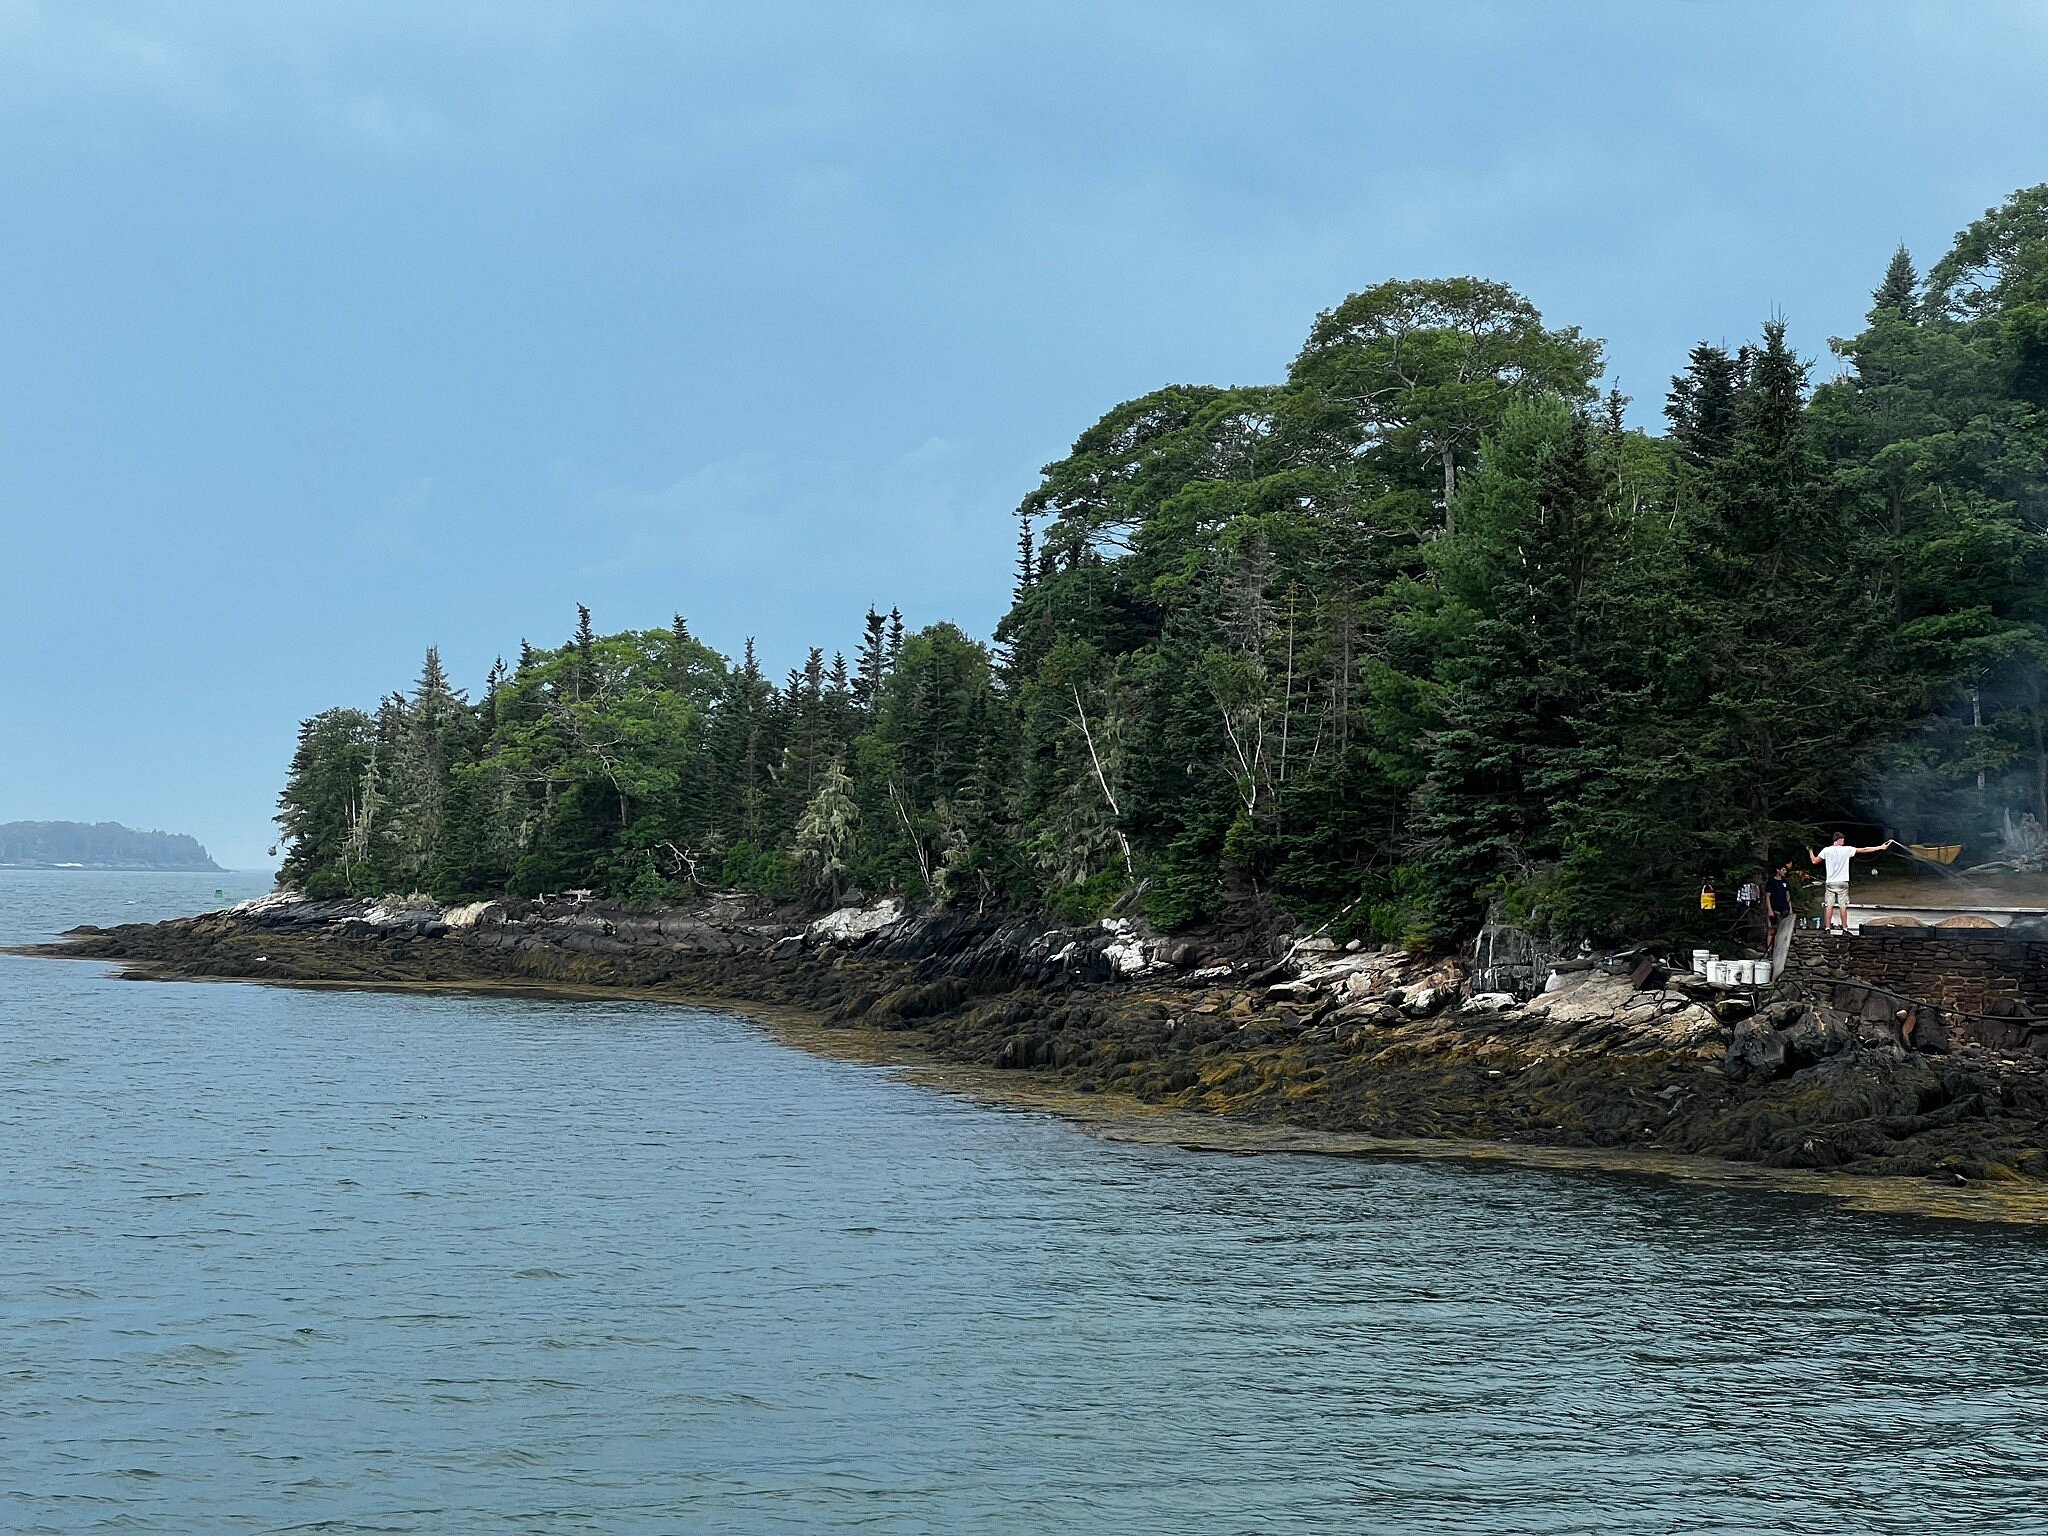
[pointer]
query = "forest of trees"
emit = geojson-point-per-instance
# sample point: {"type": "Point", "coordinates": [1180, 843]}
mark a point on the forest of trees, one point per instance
{"type": "Point", "coordinates": [98, 845]}
{"type": "Point", "coordinates": [1421, 632]}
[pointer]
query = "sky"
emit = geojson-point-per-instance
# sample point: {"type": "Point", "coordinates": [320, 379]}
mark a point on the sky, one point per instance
{"type": "Point", "coordinates": [330, 331]}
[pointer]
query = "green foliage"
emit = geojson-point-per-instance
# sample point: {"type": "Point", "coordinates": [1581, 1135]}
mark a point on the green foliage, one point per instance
{"type": "Point", "coordinates": [1422, 632]}
{"type": "Point", "coordinates": [758, 871]}
{"type": "Point", "coordinates": [825, 834]}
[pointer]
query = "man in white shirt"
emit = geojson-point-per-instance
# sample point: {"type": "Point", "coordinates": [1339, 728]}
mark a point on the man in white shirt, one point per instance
{"type": "Point", "coordinates": [1834, 908]}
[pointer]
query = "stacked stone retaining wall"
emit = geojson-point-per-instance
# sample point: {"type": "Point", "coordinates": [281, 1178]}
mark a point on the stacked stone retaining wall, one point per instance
{"type": "Point", "coordinates": [1965, 971]}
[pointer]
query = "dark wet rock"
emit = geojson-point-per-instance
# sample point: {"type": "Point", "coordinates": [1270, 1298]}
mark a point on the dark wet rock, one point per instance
{"type": "Point", "coordinates": [1813, 1033]}
{"type": "Point", "coordinates": [1331, 1038]}
{"type": "Point", "coordinates": [1756, 1048]}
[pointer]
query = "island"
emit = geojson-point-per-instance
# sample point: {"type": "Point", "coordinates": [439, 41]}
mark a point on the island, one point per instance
{"type": "Point", "coordinates": [1406, 749]}
{"type": "Point", "coordinates": [97, 845]}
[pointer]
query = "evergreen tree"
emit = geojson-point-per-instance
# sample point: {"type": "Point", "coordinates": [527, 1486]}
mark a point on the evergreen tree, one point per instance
{"type": "Point", "coordinates": [1899, 293]}
{"type": "Point", "coordinates": [1525, 578]}
{"type": "Point", "coordinates": [867, 687]}
{"type": "Point", "coordinates": [825, 835]}
{"type": "Point", "coordinates": [433, 736]}
{"type": "Point", "coordinates": [1703, 403]}
{"type": "Point", "coordinates": [1789, 627]}
{"type": "Point", "coordinates": [322, 806]}
{"type": "Point", "coordinates": [1026, 559]}
{"type": "Point", "coordinates": [1422, 629]}
{"type": "Point", "coordinates": [584, 645]}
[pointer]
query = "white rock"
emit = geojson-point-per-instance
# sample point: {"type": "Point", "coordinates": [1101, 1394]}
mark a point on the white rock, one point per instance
{"type": "Point", "coordinates": [468, 916]}
{"type": "Point", "coordinates": [1420, 1002]}
{"type": "Point", "coordinates": [1130, 953]}
{"type": "Point", "coordinates": [849, 924]}
{"type": "Point", "coordinates": [268, 901]}
{"type": "Point", "coordinates": [1345, 969]}
{"type": "Point", "coordinates": [1488, 1002]}
{"type": "Point", "coordinates": [1293, 992]}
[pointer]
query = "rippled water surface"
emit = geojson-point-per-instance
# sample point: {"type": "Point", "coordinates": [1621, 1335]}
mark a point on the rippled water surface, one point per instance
{"type": "Point", "coordinates": [299, 1260]}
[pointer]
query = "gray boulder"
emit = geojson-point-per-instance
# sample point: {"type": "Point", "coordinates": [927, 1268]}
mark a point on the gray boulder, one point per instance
{"type": "Point", "coordinates": [1756, 1049]}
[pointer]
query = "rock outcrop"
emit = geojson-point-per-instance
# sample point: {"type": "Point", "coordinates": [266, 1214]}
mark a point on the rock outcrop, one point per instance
{"type": "Point", "coordinates": [1357, 1038]}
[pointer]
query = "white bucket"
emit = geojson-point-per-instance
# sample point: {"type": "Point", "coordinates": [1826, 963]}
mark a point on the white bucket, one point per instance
{"type": "Point", "coordinates": [1701, 958]}
{"type": "Point", "coordinates": [1760, 972]}
{"type": "Point", "coordinates": [1721, 972]}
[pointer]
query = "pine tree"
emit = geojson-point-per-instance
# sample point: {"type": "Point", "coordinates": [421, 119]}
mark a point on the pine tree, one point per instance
{"type": "Point", "coordinates": [1702, 406]}
{"type": "Point", "coordinates": [494, 685]}
{"type": "Point", "coordinates": [1422, 628]}
{"type": "Point", "coordinates": [432, 737]}
{"type": "Point", "coordinates": [867, 687]}
{"type": "Point", "coordinates": [681, 654]}
{"type": "Point", "coordinates": [321, 804]}
{"type": "Point", "coordinates": [1027, 569]}
{"type": "Point", "coordinates": [1613, 412]}
{"type": "Point", "coordinates": [1899, 293]}
{"type": "Point", "coordinates": [1526, 573]}
{"type": "Point", "coordinates": [584, 678]}
{"type": "Point", "coordinates": [825, 834]}
{"type": "Point", "coordinates": [1788, 715]}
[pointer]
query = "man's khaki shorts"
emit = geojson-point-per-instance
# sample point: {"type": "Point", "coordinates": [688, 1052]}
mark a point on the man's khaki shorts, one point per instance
{"type": "Point", "coordinates": [1837, 896]}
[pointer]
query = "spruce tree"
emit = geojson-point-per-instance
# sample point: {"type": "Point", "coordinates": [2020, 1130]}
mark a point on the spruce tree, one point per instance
{"type": "Point", "coordinates": [1526, 576]}
{"type": "Point", "coordinates": [1792, 644]}
{"type": "Point", "coordinates": [1899, 293]}
{"type": "Point", "coordinates": [867, 687]}
{"type": "Point", "coordinates": [1702, 405]}
{"type": "Point", "coordinates": [1027, 568]}
{"type": "Point", "coordinates": [825, 835]}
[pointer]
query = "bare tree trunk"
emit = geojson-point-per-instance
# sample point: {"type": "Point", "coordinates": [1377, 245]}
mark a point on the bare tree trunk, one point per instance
{"type": "Point", "coordinates": [1287, 697]}
{"type": "Point", "coordinates": [1102, 780]}
{"type": "Point", "coordinates": [924, 863]}
{"type": "Point", "coordinates": [1977, 724]}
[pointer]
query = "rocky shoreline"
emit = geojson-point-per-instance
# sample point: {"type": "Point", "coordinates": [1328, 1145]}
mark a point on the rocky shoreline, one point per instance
{"type": "Point", "coordinates": [1615, 1057]}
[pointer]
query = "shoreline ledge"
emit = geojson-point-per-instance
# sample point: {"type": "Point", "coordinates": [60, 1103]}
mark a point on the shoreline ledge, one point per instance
{"type": "Point", "coordinates": [1214, 1045]}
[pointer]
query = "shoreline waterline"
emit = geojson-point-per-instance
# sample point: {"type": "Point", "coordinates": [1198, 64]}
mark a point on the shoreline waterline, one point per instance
{"type": "Point", "coordinates": [1119, 1117]}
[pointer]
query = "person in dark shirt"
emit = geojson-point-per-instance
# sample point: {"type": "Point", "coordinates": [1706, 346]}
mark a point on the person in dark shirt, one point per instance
{"type": "Point", "coordinates": [1777, 904]}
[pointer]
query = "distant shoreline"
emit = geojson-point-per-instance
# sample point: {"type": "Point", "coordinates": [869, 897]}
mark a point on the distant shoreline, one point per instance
{"type": "Point", "coordinates": [102, 845]}
{"type": "Point", "coordinates": [132, 869]}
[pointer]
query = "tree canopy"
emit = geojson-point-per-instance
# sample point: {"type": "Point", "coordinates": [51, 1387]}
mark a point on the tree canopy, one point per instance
{"type": "Point", "coordinates": [1421, 632]}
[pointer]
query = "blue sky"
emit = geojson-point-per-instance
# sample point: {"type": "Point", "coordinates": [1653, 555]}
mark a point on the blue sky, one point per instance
{"type": "Point", "coordinates": [332, 330]}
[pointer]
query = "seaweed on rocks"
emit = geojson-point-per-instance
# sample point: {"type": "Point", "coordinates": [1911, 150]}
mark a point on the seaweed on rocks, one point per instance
{"type": "Point", "coordinates": [1306, 1034]}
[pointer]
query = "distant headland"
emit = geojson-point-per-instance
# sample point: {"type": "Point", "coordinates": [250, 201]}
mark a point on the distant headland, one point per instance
{"type": "Point", "coordinates": [96, 845]}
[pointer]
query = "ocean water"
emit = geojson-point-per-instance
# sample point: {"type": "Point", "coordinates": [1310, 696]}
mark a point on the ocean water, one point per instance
{"type": "Point", "coordinates": [284, 1260]}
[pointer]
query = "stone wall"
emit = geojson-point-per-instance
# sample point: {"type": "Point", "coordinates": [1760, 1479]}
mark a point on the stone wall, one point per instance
{"type": "Point", "coordinates": [1958, 970]}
